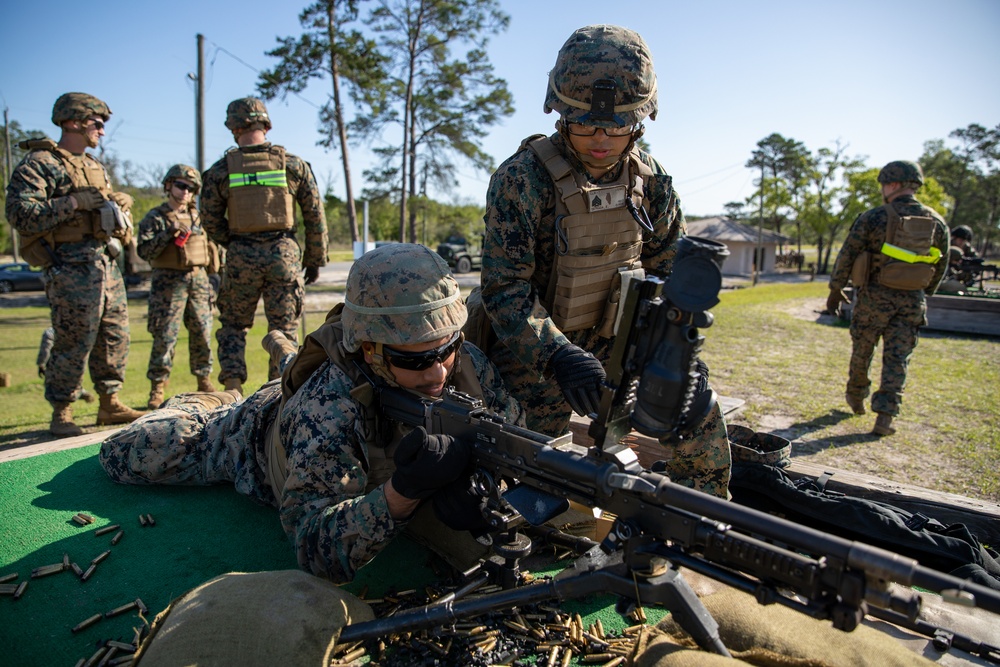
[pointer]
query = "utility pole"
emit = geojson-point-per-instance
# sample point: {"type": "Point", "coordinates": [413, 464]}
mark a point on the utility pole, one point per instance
{"type": "Point", "coordinates": [199, 103]}
{"type": "Point", "coordinates": [758, 253]}
{"type": "Point", "coordinates": [8, 169]}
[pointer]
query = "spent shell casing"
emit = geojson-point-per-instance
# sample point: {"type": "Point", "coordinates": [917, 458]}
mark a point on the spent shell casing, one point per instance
{"type": "Point", "coordinates": [77, 570]}
{"type": "Point", "coordinates": [566, 657]}
{"type": "Point", "coordinates": [353, 655]}
{"type": "Point", "coordinates": [128, 606]}
{"type": "Point", "coordinates": [111, 653]}
{"type": "Point", "coordinates": [90, 571]}
{"type": "Point", "coordinates": [65, 562]}
{"type": "Point", "coordinates": [150, 520]}
{"type": "Point", "coordinates": [83, 625]}
{"type": "Point", "coordinates": [101, 556]}
{"type": "Point", "coordinates": [142, 520]}
{"type": "Point", "coordinates": [117, 538]}
{"type": "Point", "coordinates": [20, 590]}
{"type": "Point", "coordinates": [81, 662]}
{"type": "Point", "coordinates": [8, 577]}
{"type": "Point", "coordinates": [46, 570]}
{"type": "Point", "coordinates": [81, 520]}
{"type": "Point", "coordinates": [122, 660]}
{"type": "Point", "coordinates": [8, 589]}
{"type": "Point", "coordinates": [615, 662]}
{"type": "Point", "coordinates": [121, 646]}
{"type": "Point", "coordinates": [93, 660]}
{"type": "Point", "coordinates": [142, 607]}
{"type": "Point", "coordinates": [107, 529]}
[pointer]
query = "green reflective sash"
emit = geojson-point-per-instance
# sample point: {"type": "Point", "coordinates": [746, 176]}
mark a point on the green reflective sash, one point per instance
{"type": "Point", "coordinates": [274, 179]}
{"type": "Point", "coordinates": [904, 255]}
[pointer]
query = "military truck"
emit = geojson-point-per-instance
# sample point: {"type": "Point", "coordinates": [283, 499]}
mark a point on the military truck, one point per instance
{"type": "Point", "coordinates": [461, 256]}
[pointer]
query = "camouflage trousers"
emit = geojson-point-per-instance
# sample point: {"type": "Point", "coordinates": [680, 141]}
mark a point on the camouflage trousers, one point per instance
{"type": "Point", "coordinates": [271, 270]}
{"type": "Point", "coordinates": [90, 319]}
{"type": "Point", "coordinates": [184, 443]}
{"type": "Point", "coordinates": [701, 462]}
{"type": "Point", "coordinates": [895, 316]}
{"type": "Point", "coordinates": [176, 296]}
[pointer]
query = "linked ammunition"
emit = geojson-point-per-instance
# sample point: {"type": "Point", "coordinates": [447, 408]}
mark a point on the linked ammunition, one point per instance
{"type": "Point", "coordinates": [83, 625]}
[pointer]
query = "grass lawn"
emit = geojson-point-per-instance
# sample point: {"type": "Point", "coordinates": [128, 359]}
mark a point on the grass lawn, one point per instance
{"type": "Point", "coordinates": [769, 347]}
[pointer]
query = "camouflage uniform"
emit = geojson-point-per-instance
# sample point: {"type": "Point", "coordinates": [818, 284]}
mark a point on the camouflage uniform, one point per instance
{"type": "Point", "coordinates": [517, 262]}
{"type": "Point", "coordinates": [893, 315]}
{"type": "Point", "coordinates": [603, 78]}
{"type": "Point", "coordinates": [337, 451]}
{"type": "Point", "coordinates": [85, 288]}
{"type": "Point", "coordinates": [175, 294]}
{"type": "Point", "coordinates": [265, 264]}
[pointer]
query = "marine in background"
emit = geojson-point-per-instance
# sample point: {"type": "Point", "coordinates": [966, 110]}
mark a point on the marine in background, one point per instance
{"type": "Point", "coordinates": [177, 248]}
{"type": "Point", "coordinates": [73, 224]}
{"type": "Point", "coordinates": [895, 255]}
{"type": "Point", "coordinates": [248, 207]}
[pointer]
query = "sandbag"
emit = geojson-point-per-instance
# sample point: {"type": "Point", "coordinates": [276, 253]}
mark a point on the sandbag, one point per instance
{"type": "Point", "coordinates": [772, 636]}
{"type": "Point", "coordinates": [257, 619]}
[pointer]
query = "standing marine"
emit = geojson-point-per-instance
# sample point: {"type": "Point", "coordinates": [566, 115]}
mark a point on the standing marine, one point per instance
{"type": "Point", "coordinates": [174, 243]}
{"type": "Point", "coordinates": [74, 225]}
{"type": "Point", "coordinates": [569, 217]}
{"type": "Point", "coordinates": [248, 207]}
{"type": "Point", "coordinates": [895, 255]}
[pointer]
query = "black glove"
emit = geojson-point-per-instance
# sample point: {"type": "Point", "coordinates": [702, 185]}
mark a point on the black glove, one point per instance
{"type": "Point", "coordinates": [312, 274]}
{"type": "Point", "coordinates": [459, 507]}
{"type": "Point", "coordinates": [702, 386]}
{"type": "Point", "coordinates": [580, 376]}
{"type": "Point", "coordinates": [426, 463]}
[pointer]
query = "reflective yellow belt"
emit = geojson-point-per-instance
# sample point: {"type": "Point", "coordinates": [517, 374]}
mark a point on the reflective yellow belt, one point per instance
{"type": "Point", "coordinates": [277, 178]}
{"type": "Point", "coordinates": [904, 255]}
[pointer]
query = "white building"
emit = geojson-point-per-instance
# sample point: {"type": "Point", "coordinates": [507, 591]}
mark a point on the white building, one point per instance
{"type": "Point", "coordinates": [741, 239]}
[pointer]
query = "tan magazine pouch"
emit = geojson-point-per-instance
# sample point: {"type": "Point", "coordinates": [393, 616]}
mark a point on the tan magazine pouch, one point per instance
{"type": "Point", "coordinates": [861, 269]}
{"type": "Point", "coordinates": [914, 234]}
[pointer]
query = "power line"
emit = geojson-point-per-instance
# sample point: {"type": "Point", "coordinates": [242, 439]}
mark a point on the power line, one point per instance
{"type": "Point", "coordinates": [232, 55]}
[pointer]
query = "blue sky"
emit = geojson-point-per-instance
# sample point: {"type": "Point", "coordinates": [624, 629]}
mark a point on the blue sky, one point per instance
{"type": "Point", "coordinates": [882, 76]}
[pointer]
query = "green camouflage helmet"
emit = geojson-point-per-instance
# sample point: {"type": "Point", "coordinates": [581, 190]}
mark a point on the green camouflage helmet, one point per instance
{"type": "Point", "coordinates": [603, 77]}
{"type": "Point", "coordinates": [78, 106]}
{"type": "Point", "coordinates": [401, 294]}
{"type": "Point", "coordinates": [901, 171]}
{"type": "Point", "coordinates": [962, 232]}
{"type": "Point", "coordinates": [182, 171]}
{"type": "Point", "coordinates": [246, 111]}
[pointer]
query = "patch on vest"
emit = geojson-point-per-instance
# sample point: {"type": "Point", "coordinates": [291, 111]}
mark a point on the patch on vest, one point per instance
{"type": "Point", "coordinates": [605, 199]}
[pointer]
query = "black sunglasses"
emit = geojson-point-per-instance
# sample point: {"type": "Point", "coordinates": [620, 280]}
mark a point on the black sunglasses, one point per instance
{"type": "Point", "coordinates": [421, 361]}
{"type": "Point", "coordinates": [98, 124]}
{"type": "Point", "coordinates": [184, 187]}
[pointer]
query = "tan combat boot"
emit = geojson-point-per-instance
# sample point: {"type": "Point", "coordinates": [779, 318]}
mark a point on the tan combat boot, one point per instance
{"type": "Point", "coordinates": [62, 424]}
{"type": "Point", "coordinates": [883, 425]}
{"type": "Point", "coordinates": [157, 387]}
{"type": "Point", "coordinates": [205, 384]}
{"type": "Point", "coordinates": [278, 345]}
{"type": "Point", "coordinates": [113, 411]}
{"type": "Point", "coordinates": [857, 405]}
{"type": "Point", "coordinates": [234, 383]}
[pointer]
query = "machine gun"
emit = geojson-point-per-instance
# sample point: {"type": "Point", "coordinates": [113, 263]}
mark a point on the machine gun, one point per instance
{"type": "Point", "coordinates": [658, 525]}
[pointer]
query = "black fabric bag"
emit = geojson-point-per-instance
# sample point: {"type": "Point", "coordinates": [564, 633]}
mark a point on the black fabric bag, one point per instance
{"type": "Point", "coordinates": [953, 549]}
